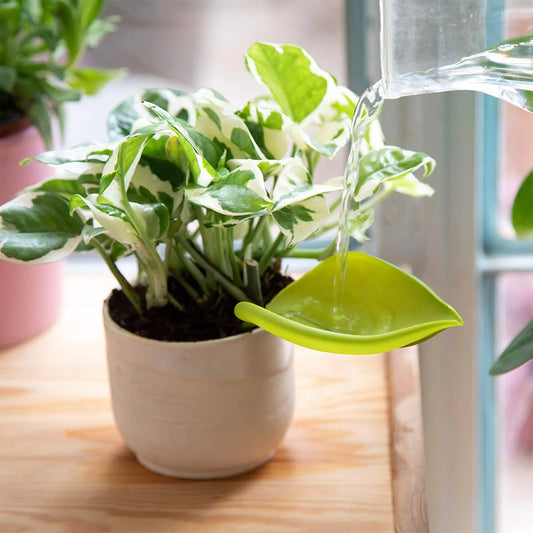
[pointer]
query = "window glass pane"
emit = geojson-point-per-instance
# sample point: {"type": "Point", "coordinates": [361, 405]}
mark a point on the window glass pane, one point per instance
{"type": "Point", "coordinates": [515, 406]}
{"type": "Point", "coordinates": [516, 158]}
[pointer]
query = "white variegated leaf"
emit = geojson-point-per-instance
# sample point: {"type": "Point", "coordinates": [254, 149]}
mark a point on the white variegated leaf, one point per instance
{"type": "Point", "coordinates": [294, 185]}
{"type": "Point", "coordinates": [273, 125]}
{"type": "Point", "coordinates": [153, 217]}
{"type": "Point", "coordinates": [358, 224]}
{"type": "Point", "coordinates": [201, 169]}
{"type": "Point", "coordinates": [410, 185]}
{"type": "Point", "coordinates": [38, 228]}
{"type": "Point", "coordinates": [218, 121]}
{"type": "Point", "coordinates": [121, 167]}
{"type": "Point", "coordinates": [300, 87]}
{"type": "Point", "coordinates": [388, 164]}
{"type": "Point", "coordinates": [113, 219]}
{"type": "Point", "coordinates": [241, 192]}
{"type": "Point", "coordinates": [299, 221]}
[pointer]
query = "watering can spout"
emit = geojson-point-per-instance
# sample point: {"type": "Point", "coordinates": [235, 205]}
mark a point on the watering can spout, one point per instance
{"type": "Point", "coordinates": [419, 35]}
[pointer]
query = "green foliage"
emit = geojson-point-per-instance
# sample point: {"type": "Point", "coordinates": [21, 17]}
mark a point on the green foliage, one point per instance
{"type": "Point", "coordinates": [520, 350]}
{"type": "Point", "coordinates": [41, 42]}
{"type": "Point", "coordinates": [522, 213]}
{"type": "Point", "coordinates": [204, 191]}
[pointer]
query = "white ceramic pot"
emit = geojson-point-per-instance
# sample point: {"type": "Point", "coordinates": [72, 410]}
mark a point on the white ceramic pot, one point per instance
{"type": "Point", "coordinates": [200, 410]}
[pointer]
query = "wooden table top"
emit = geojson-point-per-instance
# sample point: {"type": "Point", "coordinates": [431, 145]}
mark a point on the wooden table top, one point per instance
{"type": "Point", "coordinates": [351, 462]}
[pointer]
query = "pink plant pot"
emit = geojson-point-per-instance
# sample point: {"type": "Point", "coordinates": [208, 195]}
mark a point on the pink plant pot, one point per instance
{"type": "Point", "coordinates": [30, 295]}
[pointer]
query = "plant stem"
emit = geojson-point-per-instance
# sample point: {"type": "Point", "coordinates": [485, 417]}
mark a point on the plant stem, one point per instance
{"type": "Point", "coordinates": [376, 199]}
{"type": "Point", "coordinates": [267, 256]}
{"type": "Point", "coordinates": [157, 290]}
{"type": "Point", "coordinates": [252, 235]}
{"type": "Point", "coordinates": [127, 289]}
{"type": "Point", "coordinates": [253, 287]}
{"type": "Point", "coordinates": [307, 253]}
{"type": "Point", "coordinates": [194, 271]}
{"type": "Point", "coordinates": [232, 257]}
{"type": "Point", "coordinates": [226, 282]}
{"type": "Point", "coordinates": [175, 302]}
{"type": "Point", "coordinates": [193, 293]}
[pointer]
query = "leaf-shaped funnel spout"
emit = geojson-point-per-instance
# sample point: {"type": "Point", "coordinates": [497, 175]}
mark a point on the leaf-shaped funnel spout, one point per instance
{"type": "Point", "coordinates": [383, 308]}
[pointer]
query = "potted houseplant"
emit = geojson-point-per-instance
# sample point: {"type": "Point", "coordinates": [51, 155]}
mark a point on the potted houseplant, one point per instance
{"type": "Point", "coordinates": [209, 198]}
{"type": "Point", "coordinates": [41, 43]}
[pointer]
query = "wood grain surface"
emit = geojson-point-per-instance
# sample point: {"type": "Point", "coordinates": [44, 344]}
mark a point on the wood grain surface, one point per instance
{"type": "Point", "coordinates": [64, 467]}
{"type": "Point", "coordinates": [407, 445]}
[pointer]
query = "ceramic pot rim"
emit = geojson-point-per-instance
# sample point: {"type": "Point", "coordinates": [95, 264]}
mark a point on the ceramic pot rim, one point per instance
{"type": "Point", "coordinates": [110, 323]}
{"type": "Point", "coordinates": [14, 128]}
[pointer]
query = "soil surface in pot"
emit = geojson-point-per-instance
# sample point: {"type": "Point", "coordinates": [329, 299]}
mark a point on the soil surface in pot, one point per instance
{"type": "Point", "coordinates": [212, 319]}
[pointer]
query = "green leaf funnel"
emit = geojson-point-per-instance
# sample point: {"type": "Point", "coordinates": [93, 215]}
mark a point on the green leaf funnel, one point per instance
{"type": "Point", "coordinates": [383, 308]}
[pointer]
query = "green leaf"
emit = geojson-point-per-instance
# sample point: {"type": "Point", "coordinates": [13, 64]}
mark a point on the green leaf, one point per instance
{"type": "Point", "coordinates": [89, 10]}
{"type": "Point", "coordinates": [38, 228]}
{"type": "Point", "coordinates": [219, 121]}
{"type": "Point", "coordinates": [120, 121]}
{"type": "Point", "coordinates": [91, 152]}
{"type": "Point", "coordinates": [359, 222]}
{"type": "Point", "coordinates": [519, 352]}
{"type": "Point", "coordinates": [154, 217]}
{"type": "Point", "coordinates": [39, 114]}
{"type": "Point", "coordinates": [522, 212]}
{"type": "Point", "coordinates": [241, 192]}
{"type": "Point", "coordinates": [294, 79]}
{"type": "Point", "coordinates": [201, 169]}
{"type": "Point", "coordinates": [61, 186]}
{"type": "Point", "coordinates": [383, 309]}
{"type": "Point", "coordinates": [298, 221]}
{"type": "Point", "coordinates": [99, 29]}
{"type": "Point", "coordinates": [411, 186]}
{"type": "Point", "coordinates": [120, 168]}
{"type": "Point", "coordinates": [387, 164]}
{"type": "Point", "coordinates": [112, 218]}
{"type": "Point", "coordinates": [91, 80]}
{"type": "Point", "coordinates": [294, 185]}
{"type": "Point", "coordinates": [8, 76]}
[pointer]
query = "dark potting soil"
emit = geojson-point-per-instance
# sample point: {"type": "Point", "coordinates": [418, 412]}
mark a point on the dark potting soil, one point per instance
{"type": "Point", "coordinates": [212, 319]}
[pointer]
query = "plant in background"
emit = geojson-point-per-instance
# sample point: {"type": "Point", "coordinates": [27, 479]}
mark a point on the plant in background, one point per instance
{"type": "Point", "coordinates": [41, 43]}
{"type": "Point", "coordinates": [520, 350]}
{"type": "Point", "coordinates": [206, 196]}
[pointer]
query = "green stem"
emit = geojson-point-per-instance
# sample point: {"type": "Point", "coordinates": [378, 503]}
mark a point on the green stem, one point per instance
{"type": "Point", "coordinates": [155, 269]}
{"type": "Point", "coordinates": [226, 282]}
{"type": "Point", "coordinates": [191, 291]}
{"type": "Point", "coordinates": [253, 286]}
{"type": "Point", "coordinates": [175, 302]}
{"type": "Point", "coordinates": [232, 257]}
{"type": "Point", "coordinates": [267, 256]}
{"type": "Point", "coordinates": [376, 199]}
{"type": "Point", "coordinates": [306, 253]}
{"type": "Point", "coordinates": [127, 289]}
{"type": "Point", "coordinates": [252, 235]}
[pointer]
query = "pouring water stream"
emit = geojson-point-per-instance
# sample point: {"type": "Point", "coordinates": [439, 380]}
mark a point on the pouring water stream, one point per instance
{"type": "Point", "coordinates": [505, 72]}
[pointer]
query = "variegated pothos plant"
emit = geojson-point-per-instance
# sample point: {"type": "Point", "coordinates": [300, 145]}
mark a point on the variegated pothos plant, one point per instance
{"type": "Point", "coordinates": [207, 192]}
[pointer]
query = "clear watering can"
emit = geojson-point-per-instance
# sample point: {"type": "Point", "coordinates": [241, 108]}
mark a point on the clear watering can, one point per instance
{"type": "Point", "coordinates": [441, 45]}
